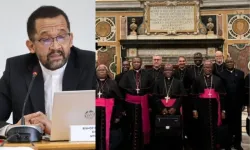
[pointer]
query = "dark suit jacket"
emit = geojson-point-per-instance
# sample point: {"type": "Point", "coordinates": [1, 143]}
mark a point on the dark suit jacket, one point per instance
{"type": "Point", "coordinates": [235, 87]}
{"type": "Point", "coordinates": [118, 77]}
{"type": "Point", "coordinates": [79, 75]}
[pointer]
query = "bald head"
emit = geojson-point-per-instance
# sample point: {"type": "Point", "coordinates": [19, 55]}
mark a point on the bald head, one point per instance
{"type": "Point", "coordinates": [218, 53]}
{"type": "Point", "coordinates": [219, 57]}
{"type": "Point", "coordinates": [102, 66]}
{"type": "Point", "coordinates": [168, 70]}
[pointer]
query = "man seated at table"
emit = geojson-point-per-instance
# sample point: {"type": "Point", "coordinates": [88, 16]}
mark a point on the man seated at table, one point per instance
{"type": "Point", "coordinates": [58, 64]}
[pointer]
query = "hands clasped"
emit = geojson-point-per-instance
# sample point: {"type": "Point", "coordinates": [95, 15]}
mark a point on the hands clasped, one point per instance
{"type": "Point", "coordinates": [171, 111]}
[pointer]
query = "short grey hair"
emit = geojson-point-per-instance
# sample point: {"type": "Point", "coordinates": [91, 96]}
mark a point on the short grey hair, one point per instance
{"type": "Point", "coordinates": [101, 66]}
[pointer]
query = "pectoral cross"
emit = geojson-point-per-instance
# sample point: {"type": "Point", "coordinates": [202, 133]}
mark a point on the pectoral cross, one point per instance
{"type": "Point", "coordinates": [167, 98]}
{"type": "Point", "coordinates": [137, 90]}
{"type": "Point", "coordinates": [99, 94]}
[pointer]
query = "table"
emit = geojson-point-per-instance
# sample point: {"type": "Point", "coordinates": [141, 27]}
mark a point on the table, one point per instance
{"type": "Point", "coordinates": [62, 145]}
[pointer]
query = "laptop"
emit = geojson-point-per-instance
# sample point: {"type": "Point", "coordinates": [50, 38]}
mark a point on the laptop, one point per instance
{"type": "Point", "coordinates": [71, 108]}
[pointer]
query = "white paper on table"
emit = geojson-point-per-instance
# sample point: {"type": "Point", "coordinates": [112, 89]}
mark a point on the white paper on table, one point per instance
{"type": "Point", "coordinates": [82, 133]}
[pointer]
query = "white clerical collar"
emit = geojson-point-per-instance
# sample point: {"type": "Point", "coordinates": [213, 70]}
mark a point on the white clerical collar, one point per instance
{"type": "Point", "coordinates": [102, 79]}
{"type": "Point", "coordinates": [231, 71]}
{"type": "Point", "coordinates": [219, 63]}
{"type": "Point", "coordinates": [156, 68]}
{"type": "Point", "coordinates": [52, 72]}
{"type": "Point", "coordinates": [208, 75]}
{"type": "Point", "coordinates": [199, 65]}
{"type": "Point", "coordinates": [137, 70]}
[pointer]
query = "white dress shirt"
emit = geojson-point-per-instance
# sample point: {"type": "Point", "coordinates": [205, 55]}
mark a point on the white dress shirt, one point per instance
{"type": "Point", "coordinates": [52, 83]}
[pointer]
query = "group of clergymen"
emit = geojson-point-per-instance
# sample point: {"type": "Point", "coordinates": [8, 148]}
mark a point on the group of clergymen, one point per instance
{"type": "Point", "coordinates": [209, 97]}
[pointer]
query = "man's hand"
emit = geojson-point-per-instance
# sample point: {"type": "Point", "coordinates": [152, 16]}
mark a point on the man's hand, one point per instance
{"type": "Point", "coordinates": [164, 111]}
{"type": "Point", "coordinates": [42, 118]}
{"type": "Point", "coordinates": [171, 111]}
{"type": "Point", "coordinates": [117, 120]}
{"type": "Point", "coordinates": [195, 114]}
{"type": "Point", "coordinates": [28, 118]}
{"type": "Point", "coordinates": [223, 115]}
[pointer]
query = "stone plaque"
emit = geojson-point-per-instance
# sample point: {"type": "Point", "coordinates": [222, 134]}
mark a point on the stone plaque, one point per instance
{"type": "Point", "coordinates": [171, 17]}
{"type": "Point", "coordinates": [170, 52]}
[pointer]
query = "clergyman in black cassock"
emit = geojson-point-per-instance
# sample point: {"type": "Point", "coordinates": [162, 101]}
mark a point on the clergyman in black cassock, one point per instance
{"type": "Point", "coordinates": [234, 83]}
{"type": "Point", "coordinates": [219, 65]}
{"type": "Point", "coordinates": [169, 93]}
{"type": "Point", "coordinates": [125, 68]}
{"type": "Point", "coordinates": [196, 70]}
{"type": "Point", "coordinates": [137, 84]}
{"type": "Point", "coordinates": [109, 111]}
{"type": "Point", "coordinates": [156, 73]}
{"type": "Point", "coordinates": [208, 99]}
{"type": "Point", "coordinates": [181, 73]}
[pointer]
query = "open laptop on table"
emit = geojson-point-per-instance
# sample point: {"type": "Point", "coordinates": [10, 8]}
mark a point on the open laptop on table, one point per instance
{"type": "Point", "coordinates": [71, 108]}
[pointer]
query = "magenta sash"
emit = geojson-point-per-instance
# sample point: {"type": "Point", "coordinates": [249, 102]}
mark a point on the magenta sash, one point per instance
{"type": "Point", "coordinates": [210, 93]}
{"type": "Point", "coordinates": [143, 101]}
{"type": "Point", "coordinates": [170, 102]}
{"type": "Point", "coordinates": [108, 104]}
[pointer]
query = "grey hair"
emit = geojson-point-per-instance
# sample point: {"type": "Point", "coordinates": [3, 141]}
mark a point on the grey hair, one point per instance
{"type": "Point", "coordinates": [102, 65]}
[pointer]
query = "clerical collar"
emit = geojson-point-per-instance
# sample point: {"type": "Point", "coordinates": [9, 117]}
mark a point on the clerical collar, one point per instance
{"type": "Point", "coordinates": [156, 69]}
{"type": "Point", "coordinates": [207, 75]}
{"type": "Point", "coordinates": [182, 69]}
{"type": "Point", "coordinates": [231, 71]}
{"type": "Point", "coordinates": [52, 72]}
{"type": "Point", "coordinates": [199, 65]}
{"type": "Point", "coordinates": [137, 70]}
{"type": "Point", "coordinates": [219, 64]}
{"type": "Point", "coordinates": [169, 79]}
{"type": "Point", "coordinates": [102, 79]}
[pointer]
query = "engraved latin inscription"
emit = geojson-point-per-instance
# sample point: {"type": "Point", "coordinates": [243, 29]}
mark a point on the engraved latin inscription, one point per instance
{"type": "Point", "coordinates": [172, 18]}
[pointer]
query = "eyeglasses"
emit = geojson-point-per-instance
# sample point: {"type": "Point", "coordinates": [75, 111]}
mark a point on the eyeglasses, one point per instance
{"type": "Point", "coordinates": [61, 39]}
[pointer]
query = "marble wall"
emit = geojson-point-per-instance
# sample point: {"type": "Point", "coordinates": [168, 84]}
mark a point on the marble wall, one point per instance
{"type": "Point", "coordinates": [232, 24]}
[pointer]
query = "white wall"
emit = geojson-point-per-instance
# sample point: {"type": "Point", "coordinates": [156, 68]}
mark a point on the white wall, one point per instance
{"type": "Point", "coordinates": [14, 15]}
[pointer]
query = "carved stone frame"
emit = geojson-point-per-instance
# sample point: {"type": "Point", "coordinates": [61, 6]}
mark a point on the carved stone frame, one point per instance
{"type": "Point", "coordinates": [147, 6]}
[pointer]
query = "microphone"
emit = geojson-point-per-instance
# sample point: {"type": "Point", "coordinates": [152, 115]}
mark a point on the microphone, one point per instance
{"type": "Point", "coordinates": [34, 74]}
{"type": "Point", "coordinates": [25, 133]}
